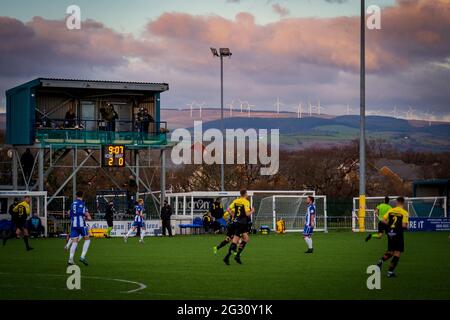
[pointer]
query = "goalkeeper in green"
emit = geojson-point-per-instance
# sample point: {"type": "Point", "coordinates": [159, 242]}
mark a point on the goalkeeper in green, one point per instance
{"type": "Point", "coordinates": [380, 211]}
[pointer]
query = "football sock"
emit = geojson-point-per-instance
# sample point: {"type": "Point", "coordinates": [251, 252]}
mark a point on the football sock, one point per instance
{"type": "Point", "coordinates": [386, 256]}
{"type": "Point", "coordinates": [25, 239]}
{"type": "Point", "coordinates": [222, 244]}
{"type": "Point", "coordinates": [85, 248]}
{"type": "Point", "coordinates": [232, 248]}
{"type": "Point", "coordinates": [108, 231]}
{"type": "Point", "coordinates": [73, 248]}
{"type": "Point", "coordinates": [376, 235]}
{"type": "Point", "coordinates": [309, 242]}
{"type": "Point", "coordinates": [129, 233]}
{"type": "Point", "coordinates": [394, 263]}
{"type": "Point", "coordinates": [69, 242]}
{"type": "Point", "coordinates": [142, 234]}
{"type": "Point", "coordinates": [241, 248]}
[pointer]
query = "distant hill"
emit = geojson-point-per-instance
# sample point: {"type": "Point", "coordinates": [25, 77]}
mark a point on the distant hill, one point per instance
{"type": "Point", "coordinates": [324, 130]}
{"type": "Point", "coordinates": [300, 133]}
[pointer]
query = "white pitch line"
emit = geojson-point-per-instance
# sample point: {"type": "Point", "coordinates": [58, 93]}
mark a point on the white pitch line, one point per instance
{"type": "Point", "coordinates": [140, 285]}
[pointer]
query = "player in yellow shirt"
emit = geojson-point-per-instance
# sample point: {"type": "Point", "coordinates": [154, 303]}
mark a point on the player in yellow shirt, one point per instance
{"type": "Point", "coordinates": [21, 212]}
{"type": "Point", "coordinates": [242, 212]}
{"type": "Point", "coordinates": [396, 221]}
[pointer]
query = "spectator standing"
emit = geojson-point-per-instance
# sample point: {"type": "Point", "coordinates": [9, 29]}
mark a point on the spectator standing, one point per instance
{"type": "Point", "coordinates": [166, 213]}
{"type": "Point", "coordinates": [69, 119]}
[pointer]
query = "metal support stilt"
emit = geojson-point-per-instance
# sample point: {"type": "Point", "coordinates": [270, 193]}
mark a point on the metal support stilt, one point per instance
{"type": "Point", "coordinates": [74, 176]}
{"type": "Point", "coordinates": [163, 177]}
{"type": "Point", "coordinates": [15, 171]}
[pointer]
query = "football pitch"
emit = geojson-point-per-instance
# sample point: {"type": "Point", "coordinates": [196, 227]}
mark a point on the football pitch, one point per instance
{"type": "Point", "coordinates": [184, 267]}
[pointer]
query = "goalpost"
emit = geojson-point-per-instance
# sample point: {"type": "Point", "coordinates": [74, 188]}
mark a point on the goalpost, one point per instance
{"type": "Point", "coordinates": [38, 205]}
{"type": "Point", "coordinates": [292, 209]}
{"type": "Point", "coordinates": [416, 206]}
{"type": "Point", "coordinates": [196, 203]}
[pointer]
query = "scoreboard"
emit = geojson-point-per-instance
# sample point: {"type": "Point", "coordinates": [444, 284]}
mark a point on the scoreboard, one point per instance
{"type": "Point", "coordinates": [113, 156]}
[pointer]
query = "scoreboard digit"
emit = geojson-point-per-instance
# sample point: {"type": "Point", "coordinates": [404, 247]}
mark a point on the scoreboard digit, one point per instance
{"type": "Point", "coordinates": [113, 156]}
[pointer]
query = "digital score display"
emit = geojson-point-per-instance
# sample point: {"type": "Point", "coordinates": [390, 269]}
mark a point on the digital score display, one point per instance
{"type": "Point", "coordinates": [113, 156]}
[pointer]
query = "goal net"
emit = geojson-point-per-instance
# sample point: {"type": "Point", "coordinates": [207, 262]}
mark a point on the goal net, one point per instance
{"type": "Point", "coordinates": [38, 205]}
{"type": "Point", "coordinates": [196, 204]}
{"type": "Point", "coordinates": [427, 207]}
{"type": "Point", "coordinates": [292, 209]}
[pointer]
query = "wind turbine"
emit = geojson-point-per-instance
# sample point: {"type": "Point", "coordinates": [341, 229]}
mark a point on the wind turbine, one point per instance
{"type": "Point", "coordinates": [242, 104]}
{"type": "Point", "coordinates": [348, 109]}
{"type": "Point", "coordinates": [428, 116]}
{"type": "Point", "coordinates": [231, 105]}
{"type": "Point", "coordinates": [410, 113]}
{"type": "Point", "coordinates": [249, 106]}
{"type": "Point", "coordinates": [299, 111]}
{"type": "Point", "coordinates": [310, 109]}
{"type": "Point", "coordinates": [319, 108]}
{"type": "Point", "coordinates": [395, 111]}
{"type": "Point", "coordinates": [200, 108]}
{"type": "Point", "coordinates": [278, 104]}
{"type": "Point", "coordinates": [191, 105]}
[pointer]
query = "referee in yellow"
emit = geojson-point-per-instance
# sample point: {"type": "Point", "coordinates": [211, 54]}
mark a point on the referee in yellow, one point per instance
{"type": "Point", "coordinates": [21, 212]}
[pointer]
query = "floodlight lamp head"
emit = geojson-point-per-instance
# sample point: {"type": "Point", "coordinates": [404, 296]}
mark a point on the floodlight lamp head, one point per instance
{"type": "Point", "coordinates": [225, 52]}
{"type": "Point", "coordinates": [214, 52]}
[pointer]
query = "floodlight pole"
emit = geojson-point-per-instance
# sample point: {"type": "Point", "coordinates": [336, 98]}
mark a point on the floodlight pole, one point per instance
{"type": "Point", "coordinates": [362, 123]}
{"type": "Point", "coordinates": [222, 166]}
{"type": "Point", "coordinates": [223, 52]}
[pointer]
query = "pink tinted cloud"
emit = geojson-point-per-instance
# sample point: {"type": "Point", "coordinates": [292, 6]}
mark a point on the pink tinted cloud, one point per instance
{"type": "Point", "coordinates": [285, 56]}
{"type": "Point", "coordinates": [412, 31]}
{"type": "Point", "coordinates": [280, 10]}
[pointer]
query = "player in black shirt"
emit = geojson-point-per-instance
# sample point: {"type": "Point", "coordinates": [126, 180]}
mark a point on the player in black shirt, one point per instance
{"type": "Point", "coordinates": [242, 212]}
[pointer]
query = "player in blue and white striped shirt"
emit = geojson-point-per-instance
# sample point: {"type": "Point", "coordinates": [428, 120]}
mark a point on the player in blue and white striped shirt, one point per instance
{"type": "Point", "coordinates": [138, 221]}
{"type": "Point", "coordinates": [78, 216]}
{"type": "Point", "coordinates": [310, 219]}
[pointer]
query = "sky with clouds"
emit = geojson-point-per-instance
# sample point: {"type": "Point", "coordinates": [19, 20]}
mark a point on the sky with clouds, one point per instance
{"type": "Point", "coordinates": [298, 50]}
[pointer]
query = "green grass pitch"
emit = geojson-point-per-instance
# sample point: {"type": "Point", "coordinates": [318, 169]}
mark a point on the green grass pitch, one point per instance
{"type": "Point", "coordinates": [184, 267]}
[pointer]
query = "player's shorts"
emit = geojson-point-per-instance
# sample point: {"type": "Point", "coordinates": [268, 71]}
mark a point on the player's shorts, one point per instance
{"type": "Point", "coordinates": [381, 227]}
{"type": "Point", "coordinates": [396, 242]}
{"type": "Point", "coordinates": [138, 224]}
{"type": "Point", "coordinates": [231, 227]}
{"type": "Point", "coordinates": [75, 232]}
{"type": "Point", "coordinates": [20, 223]}
{"type": "Point", "coordinates": [240, 228]}
{"type": "Point", "coordinates": [308, 231]}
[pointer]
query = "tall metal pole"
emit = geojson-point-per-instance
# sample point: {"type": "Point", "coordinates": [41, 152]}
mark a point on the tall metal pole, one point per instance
{"type": "Point", "coordinates": [163, 177]}
{"type": "Point", "coordinates": [15, 174]}
{"type": "Point", "coordinates": [136, 170]}
{"type": "Point", "coordinates": [41, 169]}
{"type": "Point", "coordinates": [74, 176]}
{"type": "Point", "coordinates": [222, 167]}
{"type": "Point", "coordinates": [362, 130]}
